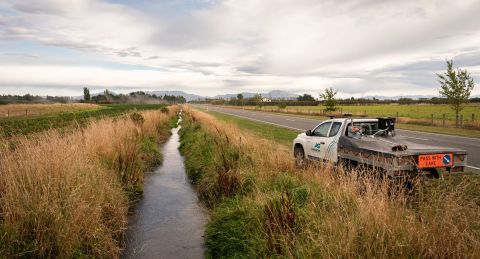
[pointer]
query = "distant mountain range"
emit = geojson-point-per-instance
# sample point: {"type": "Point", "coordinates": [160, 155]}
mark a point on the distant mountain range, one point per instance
{"type": "Point", "coordinates": [414, 97]}
{"type": "Point", "coordinates": [187, 96]}
{"type": "Point", "coordinates": [275, 94]}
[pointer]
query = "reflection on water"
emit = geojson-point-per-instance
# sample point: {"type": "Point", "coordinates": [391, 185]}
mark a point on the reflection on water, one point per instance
{"type": "Point", "coordinates": [168, 221]}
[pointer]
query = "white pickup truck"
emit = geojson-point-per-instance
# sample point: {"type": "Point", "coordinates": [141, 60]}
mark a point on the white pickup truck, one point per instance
{"type": "Point", "coordinates": [373, 142]}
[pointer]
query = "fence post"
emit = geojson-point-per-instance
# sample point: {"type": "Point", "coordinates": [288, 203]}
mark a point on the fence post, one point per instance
{"type": "Point", "coordinates": [26, 112]}
{"type": "Point", "coordinates": [473, 118]}
{"type": "Point", "coordinates": [365, 113]}
{"type": "Point", "coordinates": [443, 123]}
{"type": "Point", "coordinates": [456, 121]}
{"type": "Point", "coordinates": [461, 121]}
{"type": "Point", "coordinates": [432, 119]}
{"type": "Point", "coordinates": [8, 113]}
{"type": "Point", "coordinates": [397, 117]}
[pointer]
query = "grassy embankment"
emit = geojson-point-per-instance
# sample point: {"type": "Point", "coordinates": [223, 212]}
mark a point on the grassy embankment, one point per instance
{"type": "Point", "coordinates": [67, 194]}
{"type": "Point", "coordinates": [65, 118]}
{"type": "Point", "coordinates": [263, 207]}
{"type": "Point", "coordinates": [420, 119]}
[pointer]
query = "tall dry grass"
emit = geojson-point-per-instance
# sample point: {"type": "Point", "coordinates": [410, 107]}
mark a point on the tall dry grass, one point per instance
{"type": "Point", "coordinates": [65, 195]}
{"type": "Point", "coordinates": [322, 211]}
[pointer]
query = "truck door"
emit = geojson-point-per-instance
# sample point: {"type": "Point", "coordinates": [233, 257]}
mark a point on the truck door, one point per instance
{"type": "Point", "coordinates": [329, 152]}
{"type": "Point", "coordinates": [317, 141]}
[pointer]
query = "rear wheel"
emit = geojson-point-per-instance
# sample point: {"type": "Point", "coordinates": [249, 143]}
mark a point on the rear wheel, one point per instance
{"type": "Point", "coordinates": [433, 173]}
{"type": "Point", "coordinates": [299, 154]}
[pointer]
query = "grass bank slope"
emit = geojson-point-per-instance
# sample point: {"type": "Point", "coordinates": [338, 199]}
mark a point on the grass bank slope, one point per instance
{"type": "Point", "coordinates": [67, 195]}
{"type": "Point", "coordinates": [263, 207]}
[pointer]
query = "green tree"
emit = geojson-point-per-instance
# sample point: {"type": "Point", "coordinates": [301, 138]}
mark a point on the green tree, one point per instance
{"type": "Point", "coordinates": [257, 99]}
{"type": "Point", "coordinates": [329, 99]}
{"type": "Point", "coordinates": [240, 99]}
{"type": "Point", "coordinates": [305, 97]}
{"type": "Point", "coordinates": [456, 86]}
{"type": "Point", "coordinates": [86, 94]}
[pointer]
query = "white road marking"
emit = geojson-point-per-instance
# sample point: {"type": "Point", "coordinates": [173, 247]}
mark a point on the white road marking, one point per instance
{"type": "Point", "coordinates": [289, 120]}
{"type": "Point", "coordinates": [439, 134]}
{"type": "Point", "coordinates": [476, 168]}
{"type": "Point", "coordinates": [415, 138]}
{"type": "Point", "coordinates": [279, 125]}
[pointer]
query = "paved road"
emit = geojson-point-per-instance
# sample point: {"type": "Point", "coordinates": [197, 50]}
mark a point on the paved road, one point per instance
{"type": "Point", "coordinates": [471, 145]}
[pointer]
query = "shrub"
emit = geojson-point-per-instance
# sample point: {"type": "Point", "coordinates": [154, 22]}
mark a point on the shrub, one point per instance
{"type": "Point", "coordinates": [137, 118]}
{"type": "Point", "coordinates": [164, 109]}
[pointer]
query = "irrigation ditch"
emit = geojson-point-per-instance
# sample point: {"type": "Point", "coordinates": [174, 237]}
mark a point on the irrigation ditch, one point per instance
{"type": "Point", "coordinates": [168, 221]}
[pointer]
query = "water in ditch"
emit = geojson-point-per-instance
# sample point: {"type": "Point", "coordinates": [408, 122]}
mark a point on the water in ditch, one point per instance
{"type": "Point", "coordinates": [168, 221]}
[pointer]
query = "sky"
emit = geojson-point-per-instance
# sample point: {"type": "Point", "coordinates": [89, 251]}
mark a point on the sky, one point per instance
{"type": "Point", "coordinates": [210, 47]}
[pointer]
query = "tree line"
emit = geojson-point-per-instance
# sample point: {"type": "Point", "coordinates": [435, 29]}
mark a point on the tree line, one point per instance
{"type": "Point", "coordinates": [311, 101]}
{"type": "Point", "coordinates": [28, 98]}
{"type": "Point", "coordinates": [107, 97]}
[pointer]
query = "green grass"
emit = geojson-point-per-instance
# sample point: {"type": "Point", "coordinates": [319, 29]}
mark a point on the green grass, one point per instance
{"type": "Point", "coordinates": [278, 134]}
{"type": "Point", "coordinates": [417, 111]}
{"type": "Point", "coordinates": [27, 125]}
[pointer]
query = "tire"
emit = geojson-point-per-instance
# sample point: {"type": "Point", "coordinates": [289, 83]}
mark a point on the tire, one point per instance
{"type": "Point", "coordinates": [433, 173]}
{"type": "Point", "coordinates": [347, 164]}
{"type": "Point", "coordinates": [300, 160]}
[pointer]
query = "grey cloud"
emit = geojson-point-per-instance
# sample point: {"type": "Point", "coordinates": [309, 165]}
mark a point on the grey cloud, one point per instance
{"type": "Point", "coordinates": [40, 7]}
{"type": "Point", "coordinates": [21, 55]}
{"type": "Point", "coordinates": [152, 57]}
{"type": "Point", "coordinates": [251, 69]}
{"type": "Point", "coordinates": [129, 52]}
{"type": "Point", "coordinates": [234, 82]}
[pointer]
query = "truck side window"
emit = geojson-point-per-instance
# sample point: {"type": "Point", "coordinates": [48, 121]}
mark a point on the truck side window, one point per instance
{"type": "Point", "coordinates": [322, 130]}
{"type": "Point", "coordinates": [335, 128]}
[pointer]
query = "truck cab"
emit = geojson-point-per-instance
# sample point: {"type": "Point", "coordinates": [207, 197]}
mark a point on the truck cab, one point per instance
{"type": "Point", "coordinates": [321, 142]}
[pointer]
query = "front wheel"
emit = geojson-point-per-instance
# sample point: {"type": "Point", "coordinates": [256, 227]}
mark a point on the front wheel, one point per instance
{"type": "Point", "coordinates": [299, 154]}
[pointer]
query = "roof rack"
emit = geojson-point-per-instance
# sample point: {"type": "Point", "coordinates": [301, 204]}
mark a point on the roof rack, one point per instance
{"type": "Point", "coordinates": [345, 115]}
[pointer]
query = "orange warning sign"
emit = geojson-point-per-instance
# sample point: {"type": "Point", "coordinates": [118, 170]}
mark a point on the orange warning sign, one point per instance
{"type": "Point", "coordinates": [435, 160]}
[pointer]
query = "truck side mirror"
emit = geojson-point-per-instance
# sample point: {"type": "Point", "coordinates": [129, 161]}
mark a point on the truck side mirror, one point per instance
{"type": "Point", "coordinates": [308, 132]}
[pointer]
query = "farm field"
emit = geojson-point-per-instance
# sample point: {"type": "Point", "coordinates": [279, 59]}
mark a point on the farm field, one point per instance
{"type": "Point", "coordinates": [65, 116]}
{"type": "Point", "coordinates": [29, 110]}
{"type": "Point", "coordinates": [415, 111]}
{"type": "Point", "coordinates": [262, 206]}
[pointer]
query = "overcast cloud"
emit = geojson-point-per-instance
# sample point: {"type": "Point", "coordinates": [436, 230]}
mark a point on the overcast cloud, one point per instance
{"type": "Point", "coordinates": [361, 47]}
